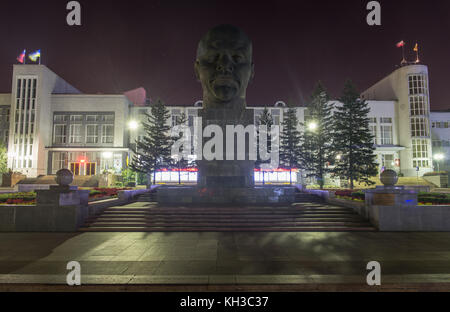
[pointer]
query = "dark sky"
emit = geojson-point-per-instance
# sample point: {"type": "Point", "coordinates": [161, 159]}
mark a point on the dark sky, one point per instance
{"type": "Point", "coordinates": [123, 45]}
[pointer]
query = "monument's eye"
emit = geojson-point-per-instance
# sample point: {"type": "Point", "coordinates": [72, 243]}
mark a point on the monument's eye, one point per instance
{"type": "Point", "coordinates": [238, 58]}
{"type": "Point", "coordinates": [211, 58]}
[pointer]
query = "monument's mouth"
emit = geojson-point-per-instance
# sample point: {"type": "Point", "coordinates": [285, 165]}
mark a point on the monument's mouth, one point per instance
{"type": "Point", "coordinates": [225, 81]}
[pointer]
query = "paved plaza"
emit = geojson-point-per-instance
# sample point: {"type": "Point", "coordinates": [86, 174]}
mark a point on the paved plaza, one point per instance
{"type": "Point", "coordinates": [214, 258]}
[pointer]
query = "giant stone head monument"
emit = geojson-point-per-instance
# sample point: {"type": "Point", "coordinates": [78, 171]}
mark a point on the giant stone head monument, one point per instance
{"type": "Point", "coordinates": [224, 67]}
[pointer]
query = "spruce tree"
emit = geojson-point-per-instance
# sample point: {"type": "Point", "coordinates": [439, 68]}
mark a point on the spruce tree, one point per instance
{"type": "Point", "coordinates": [153, 151]}
{"type": "Point", "coordinates": [290, 142]}
{"type": "Point", "coordinates": [266, 120]}
{"type": "Point", "coordinates": [317, 149]}
{"type": "Point", "coordinates": [352, 138]}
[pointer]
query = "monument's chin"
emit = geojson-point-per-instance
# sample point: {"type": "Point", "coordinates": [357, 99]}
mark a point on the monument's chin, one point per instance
{"type": "Point", "coordinates": [225, 93]}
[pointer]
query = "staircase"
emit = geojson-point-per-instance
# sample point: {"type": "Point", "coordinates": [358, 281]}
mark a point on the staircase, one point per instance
{"type": "Point", "coordinates": [309, 214]}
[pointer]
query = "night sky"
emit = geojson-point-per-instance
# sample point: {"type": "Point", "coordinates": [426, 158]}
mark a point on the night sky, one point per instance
{"type": "Point", "coordinates": [123, 45]}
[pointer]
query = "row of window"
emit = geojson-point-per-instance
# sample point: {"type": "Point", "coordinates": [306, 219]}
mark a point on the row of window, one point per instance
{"type": "Point", "coordinates": [441, 143]}
{"type": "Point", "coordinates": [440, 124]}
{"type": "Point", "coordinates": [386, 135]}
{"type": "Point", "coordinates": [419, 127]}
{"type": "Point", "coordinates": [85, 163]}
{"type": "Point", "coordinates": [418, 105]}
{"type": "Point", "coordinates": [383, 120]}
{"type": "Point", "coordinates": [92, 134]}
{"type": "Point", "coordinates": [417, 84]}
{"type": "Point", "coordinates": [24, 119]}
{"type": "Point", "coordinates": [420, 153]}
{"type": "Point", "coordinates": [81, 118]}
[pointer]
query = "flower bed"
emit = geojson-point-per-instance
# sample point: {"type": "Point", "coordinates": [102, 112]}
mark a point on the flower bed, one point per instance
{"type": "Point", "coordinates": [20, 198]}
{"type": "Point", "coordinates": [350, 195]}
{"type": "Point", "coordinates": [105, 193]}
{"type": "Point", "coordinates": [433, 198]}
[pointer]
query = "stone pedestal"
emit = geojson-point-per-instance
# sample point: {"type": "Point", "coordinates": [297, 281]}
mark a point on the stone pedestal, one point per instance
{"type": "Point", "coordinates": [264, 195]}
{"type": "Point", "coordinates": [227, 173]}
{"type": "Point", "coordinates": [390, 196]}
{"type": "Point", "coordinates": [61, 208]}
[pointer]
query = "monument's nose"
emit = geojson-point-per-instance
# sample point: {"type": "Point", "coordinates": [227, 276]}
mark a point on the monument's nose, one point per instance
{"type": "Point", "coordinates": [225, 63]}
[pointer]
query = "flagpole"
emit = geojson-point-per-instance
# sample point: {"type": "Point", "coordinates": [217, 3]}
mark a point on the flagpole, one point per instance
{"type": "Point", "coordinates": [403, 54]}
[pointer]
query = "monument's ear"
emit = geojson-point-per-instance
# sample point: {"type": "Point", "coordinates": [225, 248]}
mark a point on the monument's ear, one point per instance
{"type": "Point", "coordinates": [197, 75]}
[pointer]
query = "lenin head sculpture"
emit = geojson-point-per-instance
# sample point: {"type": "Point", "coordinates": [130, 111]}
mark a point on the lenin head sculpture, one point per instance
{"type": "Point", "coordinates": [224, 67]}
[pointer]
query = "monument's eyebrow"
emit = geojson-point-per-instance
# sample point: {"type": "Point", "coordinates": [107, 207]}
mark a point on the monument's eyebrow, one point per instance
{"type": "Point", "coordinates": [237, 44]}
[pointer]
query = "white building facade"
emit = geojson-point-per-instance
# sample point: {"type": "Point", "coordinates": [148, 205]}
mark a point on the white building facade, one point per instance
{"type": "Point", "coordinates": [48, 125]}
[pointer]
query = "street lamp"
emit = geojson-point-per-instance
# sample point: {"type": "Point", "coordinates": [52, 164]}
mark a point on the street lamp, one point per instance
{"type": "Point", "coordinates": [312, 126]}
{"type": "Point", "coordinates": [438, 158]}
{"type": "Point", "coordinates": [133, 124]}
{"type": "Point", "coordinates": [338, 157]}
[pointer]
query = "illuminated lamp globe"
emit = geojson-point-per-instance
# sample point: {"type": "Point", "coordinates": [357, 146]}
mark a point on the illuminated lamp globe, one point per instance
{"type": "Point", "coordinates": [389, 177]}
{"type": "Point", "coordinates": [64, 177]}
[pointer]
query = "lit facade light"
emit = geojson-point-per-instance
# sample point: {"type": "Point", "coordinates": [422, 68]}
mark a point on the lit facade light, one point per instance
{"type": "Point", "coordinates": [338, 157]}
{"type": "Point", "coordinates": [107, 155]}
{"type": "Point", "coordinates": [133, 125]}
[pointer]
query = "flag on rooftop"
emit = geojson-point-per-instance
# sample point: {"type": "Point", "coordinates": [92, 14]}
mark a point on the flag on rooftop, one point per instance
{"type": "Point", "coordinates": [21, 57]}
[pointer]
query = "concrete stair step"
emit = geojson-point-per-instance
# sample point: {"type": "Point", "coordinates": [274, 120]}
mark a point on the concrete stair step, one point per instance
{"type": "Point", "coordinates": [226, 224]}
{"type": "Point", "coordinates": [227, 229]}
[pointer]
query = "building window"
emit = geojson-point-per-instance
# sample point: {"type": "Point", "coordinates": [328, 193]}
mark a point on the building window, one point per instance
{"type": "Point", "coordinates": [418, 105]}
{"type": "Point", "coordinates": [420, 153]}
{"type": "Point", "coordinates": [386, 135]}
{"type": "Point", "coordinates": [387, 161]}
{"type": "Point", "coordinates": [387, 120]}
{"type": "Point", "coordinates": [92, 117]}
{"type": "Point", "coordinates": [75, 134]}
{"type": "Point", "coordinates": [76, 117]}
{"type": "Point", "coordinates": [108, 117]}
{"type": "Point", "coordinates": [91, 133]}
{"type": "Point", "coordinates": [417, 84]}
{"type": "Point", "coordinates": [60, 134]}
{"type": "Point", "coordinates": [107, 133]}
{"type": "Point", "coordinates": [419, 127]}
{"type": "Point", "coordinates": [90, 168]}
{"type": "Point", "coordinates": [59, 161]}
{"type": "Point", "coordinates": [276, 116]}
{"type": "Point", "coordinates": [60, 118]}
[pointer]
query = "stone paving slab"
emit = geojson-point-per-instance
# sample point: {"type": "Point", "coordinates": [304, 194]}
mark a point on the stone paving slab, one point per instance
{"type": "Point", "coordinates": [224, 258]}
{"type": "Point", "coordinates": [89, 279]}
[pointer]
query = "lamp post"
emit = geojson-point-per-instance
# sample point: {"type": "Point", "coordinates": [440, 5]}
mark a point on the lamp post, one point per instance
{"type": "Point", "coordinates": [438, 158]}
{"type": "Point", "coordinates": [312, 126]}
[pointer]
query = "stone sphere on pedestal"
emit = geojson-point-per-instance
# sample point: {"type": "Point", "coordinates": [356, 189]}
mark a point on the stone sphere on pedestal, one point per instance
{"type": "Point", "coordinates": [64, 177]}
{"type": "Point", "coordinates": [389, 177]}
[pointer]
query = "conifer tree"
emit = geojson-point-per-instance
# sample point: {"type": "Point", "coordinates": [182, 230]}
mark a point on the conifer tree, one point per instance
{"type": "Point", "coordinates": [153, 151]}
{"type": "Point", "coordinates": [290, 142]}
{"type": "Point", "coordinates": [266, 120]}
{"type": "Point", "coordinates": [353, 139]}
{"type": "Point", "coordinates": [317, 149]}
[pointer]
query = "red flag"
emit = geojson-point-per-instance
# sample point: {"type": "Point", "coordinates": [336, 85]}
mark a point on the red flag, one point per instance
{"type": "Point", "coordinates": [401, 44]}
{"type": "Point", "coordinates": [21, 57]}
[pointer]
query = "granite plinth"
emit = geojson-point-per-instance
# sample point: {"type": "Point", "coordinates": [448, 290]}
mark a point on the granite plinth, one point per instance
{"type": "Point", "coordinates": [173, 195]}
{"type": "Point", "coordinates": [391, 196]}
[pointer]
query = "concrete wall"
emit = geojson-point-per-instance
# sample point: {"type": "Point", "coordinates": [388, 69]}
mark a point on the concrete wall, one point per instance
{"type": "Point", "coordinates": [411, 218]}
